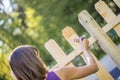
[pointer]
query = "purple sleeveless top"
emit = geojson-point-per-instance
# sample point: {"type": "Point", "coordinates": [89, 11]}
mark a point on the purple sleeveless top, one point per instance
{"type": "Point", "coordinates": [52, 76]}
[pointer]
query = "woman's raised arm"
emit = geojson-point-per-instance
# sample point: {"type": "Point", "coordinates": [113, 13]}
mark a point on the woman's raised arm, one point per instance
{"type": "Point", "coordinates": [69, 73]}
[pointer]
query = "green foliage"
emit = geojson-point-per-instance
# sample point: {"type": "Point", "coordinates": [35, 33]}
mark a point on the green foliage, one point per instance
{"type": "Point", "coordinates": [4, 68]}
{"type": "Point", "coordinates": [35, 22]}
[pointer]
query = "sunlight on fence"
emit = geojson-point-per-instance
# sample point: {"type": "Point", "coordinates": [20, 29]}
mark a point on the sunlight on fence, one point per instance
{"type": "Point", "coordinates": [97, 34]}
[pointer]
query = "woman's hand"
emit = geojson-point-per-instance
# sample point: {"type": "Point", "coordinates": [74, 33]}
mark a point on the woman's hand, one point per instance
{"type": "Point", "coordinates": [84, 43]}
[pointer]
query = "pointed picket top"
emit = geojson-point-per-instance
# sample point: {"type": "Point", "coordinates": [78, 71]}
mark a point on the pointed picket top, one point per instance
{"type": "Point", "coordinates": [69, 34]}
{"type": "Point", "coordinates": [54, 49]}
{"type": "Point", "coordinates": [104, 11]}
{"type": "Point", "coordinates": [108, 15]}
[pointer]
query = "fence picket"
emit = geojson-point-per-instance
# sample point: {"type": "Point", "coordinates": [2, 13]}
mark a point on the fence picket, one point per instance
{"type": "Point", "coordinates": [117, 2]}
{"type": "Point", "coordinates": [104, 41]}
{"type": "Point", "coordinates": [57, 53]}
{"type": "Point", "coordinates": [107, 14]}
{"type": "Point", "coordinates": [97, 34]}
{"type": "Point", "coordinates": [103, 74]}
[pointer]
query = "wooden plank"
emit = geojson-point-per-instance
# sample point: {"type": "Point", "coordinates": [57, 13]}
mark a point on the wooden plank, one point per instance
{"type": "Point", "coordinates": [69, 58]}
{"type": "Point", "coordinates": [107, 14]}
{"type": "Point", "coordinates": [104, 11]}
{"type": "Point", "coordinates": [112, 24]}
{"type": "Point", "coordinates": [104, 41]}
{"type": "Point", "coordinates": [117, 2]}
{"type": "Point", "coordinates": [91, 40]}
{"type": "Point", "coordinates": [103, 74]}
{"type": "Point", "coordinates": [67, 35]}
{"type": "Point", "coordinates": [117, 29]}
{"type": "Point", "coordinates": [57, 53]}
{"type": "Point", "coordinates": [54, 49]}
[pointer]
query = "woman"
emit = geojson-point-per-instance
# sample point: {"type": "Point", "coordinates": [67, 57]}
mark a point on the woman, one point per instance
{"type": "Point", "coordinates": [27, 65]}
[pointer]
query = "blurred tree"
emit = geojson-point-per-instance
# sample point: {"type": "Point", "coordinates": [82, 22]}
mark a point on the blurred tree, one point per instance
{"type": "Point", "coordinates": [35, 22]}
{"type": "Point", "coordinates": [4, 67]}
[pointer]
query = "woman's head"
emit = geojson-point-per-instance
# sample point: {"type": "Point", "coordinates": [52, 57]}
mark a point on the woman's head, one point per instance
{"type": "Point", "coordinates": [26, 64]}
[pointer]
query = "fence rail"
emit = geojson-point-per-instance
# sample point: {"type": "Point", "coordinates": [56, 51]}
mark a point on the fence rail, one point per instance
{"type": "Point", "coordinates": [97, 34]}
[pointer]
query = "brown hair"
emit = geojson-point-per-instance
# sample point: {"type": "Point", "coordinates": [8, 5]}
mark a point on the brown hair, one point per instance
{"type": "Point", "coordinates": [26, 65]}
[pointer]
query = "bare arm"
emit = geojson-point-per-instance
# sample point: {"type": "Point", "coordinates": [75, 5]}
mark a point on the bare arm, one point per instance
{"type": "Point", "coordinates": [87, 56]}
{"type": "Point", "coordinates": [69, 73]}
